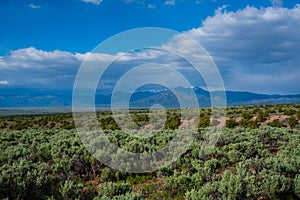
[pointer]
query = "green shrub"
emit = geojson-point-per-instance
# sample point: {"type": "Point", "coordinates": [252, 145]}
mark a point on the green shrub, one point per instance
{"type": "Point", "coordinates": [289, 112]}
{"type": "Point", "coordinates": [276, 123]}
{"type": "Point", "coordinates": [293, 122]}
{"type": "Point", "coordinates": [297, 185]}
{"type": "Point", "coordinates": [203, 122]}
{"type": "Point", "coordinates": [71, 190]}
{"type": "Point", "coordinates": [231, 123]}
{"type": "Point", "coordinates": [173, 121]}
{"type": "Point", "coordinates": [110, 189]}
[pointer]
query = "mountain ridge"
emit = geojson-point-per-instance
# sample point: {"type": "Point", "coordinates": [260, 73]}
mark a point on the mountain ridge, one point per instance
{"type": "Point", "coordinates": [20, 97]}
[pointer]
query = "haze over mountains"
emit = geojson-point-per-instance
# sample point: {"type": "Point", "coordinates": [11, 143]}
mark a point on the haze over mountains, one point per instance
{"type": "Point", "coordinates": [20, 97]}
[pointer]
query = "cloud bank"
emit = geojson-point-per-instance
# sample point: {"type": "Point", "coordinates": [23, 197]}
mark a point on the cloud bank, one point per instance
{"type": "Point", "coordinates": [36, 68]}
{"type": "Point", "coordinates": [256, 49]}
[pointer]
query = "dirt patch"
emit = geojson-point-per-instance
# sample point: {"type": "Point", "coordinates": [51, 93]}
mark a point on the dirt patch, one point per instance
{"type": "Point", "coordinates": [254, 118]}
{"type": "Point", "coordinates": [276, 117]}
{"type": "Point", "coordinates": [189, 123]}
{"type": "Point", "coordinates": [222, 122]}
{"type": "Point", "coordinates": [238, 119]}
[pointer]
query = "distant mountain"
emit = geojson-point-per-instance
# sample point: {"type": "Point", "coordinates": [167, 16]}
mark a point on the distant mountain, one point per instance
{"type": "Point", "coordinates": [249, 98]}
{"type": "Point", "coordinates": [20, 97]}
{"type": "Point", "coordinates": [233, 98]}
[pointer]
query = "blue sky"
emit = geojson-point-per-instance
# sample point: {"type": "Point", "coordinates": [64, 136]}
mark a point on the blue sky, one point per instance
{"type": "Point", "coordinates": [254, 43]}
{"type": "Point", "coordinates": [76, 26]}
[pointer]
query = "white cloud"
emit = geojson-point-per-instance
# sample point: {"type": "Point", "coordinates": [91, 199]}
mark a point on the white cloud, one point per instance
{"type": "Point", "coordinates": [255, 49]}
{"type": "Point", "coordinates": [33, 6]}
{"type": "Point", "coordinates": [151, 6]}
{"type": "Point", "coordinates": [278, 3]}
{"type": "Point", "coordinates": [96, 2]}
{"type": "Point", "coordinates": [252, 43]}
{"type": "Point", "coordinates": [34, 58]}
{"type": "Point", "coordinates": [31, 66]}
{"type": "Point", "coordinates": [57, 69]}
{"type": "Point", "coordinates": [4, 82]}
{"type": "Point", "coordinates": [170, 2]}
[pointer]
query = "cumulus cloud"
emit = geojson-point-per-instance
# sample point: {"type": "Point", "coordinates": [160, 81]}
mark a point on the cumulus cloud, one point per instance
{"type": "Point", "coordinates": [34, 67]}
{"type": "Point", "coordinates": [255, 49]}
{"type": "Point", "coordinates": [33, 6]}
{"type": "Point", "coordinates": [170, 3]}
{"type": "Point", "coordinates": [96, 2]}
{"type": "Point", "coordinates": [58, 69]}
{"type": "Point", "coordinates": [4, 82]}
{"type": "Point", "coordinates": [34, 58]}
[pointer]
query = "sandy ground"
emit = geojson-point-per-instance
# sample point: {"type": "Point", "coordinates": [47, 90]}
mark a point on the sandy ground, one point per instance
{"type": "Point", "coordinates": [275, 117]}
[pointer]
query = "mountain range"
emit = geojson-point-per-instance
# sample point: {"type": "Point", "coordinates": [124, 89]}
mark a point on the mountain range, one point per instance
{"type": "Point", "coordinates": [31, 98]}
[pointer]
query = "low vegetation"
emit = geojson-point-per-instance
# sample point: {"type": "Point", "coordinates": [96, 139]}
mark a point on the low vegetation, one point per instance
{"type": "Point", "coordinates": [256, 157]}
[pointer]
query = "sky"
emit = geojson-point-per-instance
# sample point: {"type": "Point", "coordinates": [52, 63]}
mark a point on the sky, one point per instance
{"type": "Point", "coordinates": [254, 43]}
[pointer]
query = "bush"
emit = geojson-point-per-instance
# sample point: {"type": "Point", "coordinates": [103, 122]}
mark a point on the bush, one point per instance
{"type": "Point", "coordinates": [203, 122]}
{"type": "Point", "coordinates": [71, 190]}
{"type": "Point", "coordinates": [293, 122]}
{"type": "Point", "coordinates": [172, 121]}
{"type": "Point", "coordinates": [231, 123]}
{"type": "Point", "coordinates": [298, 114]}
{"type": "Point", "coordinates": [289, 112]}
{"type": "Point", "coordinates": [231, 186]}
{"type": "Point", "coordinates": [274, 184]}
{"type": "Point", "coordinates": [297, 185]}
{"type": "Point", "coordinates": [276, 123]}
{"type": "Point", "coordinates": [106, 174]}
{"type": "Point", "coordinates": [262, 116]}
{"type": "Point", "coordinates": [110, 189]}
